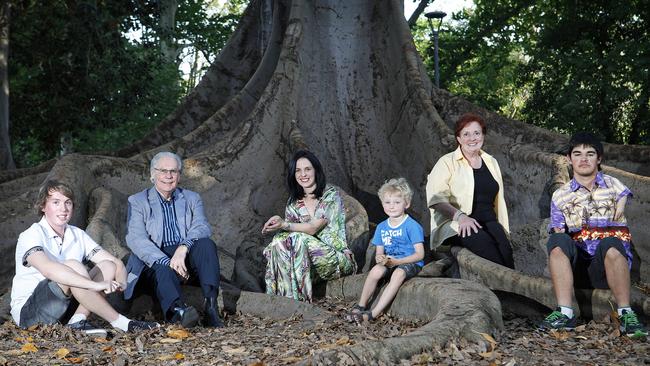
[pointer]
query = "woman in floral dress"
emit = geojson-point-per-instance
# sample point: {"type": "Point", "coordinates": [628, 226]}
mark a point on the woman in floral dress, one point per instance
{"type": "Point", "coordinates": [310, 246]}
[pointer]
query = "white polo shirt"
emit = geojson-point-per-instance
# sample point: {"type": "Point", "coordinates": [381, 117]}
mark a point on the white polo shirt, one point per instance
{"type": "Point", "coordinates": [76, 245]}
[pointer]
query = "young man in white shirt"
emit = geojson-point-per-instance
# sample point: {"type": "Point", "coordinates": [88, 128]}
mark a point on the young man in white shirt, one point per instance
{"type": "Point", "coordinates": [51, 281]}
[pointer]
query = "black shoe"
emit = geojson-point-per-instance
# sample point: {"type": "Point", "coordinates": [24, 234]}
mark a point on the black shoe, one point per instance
{"type": "Point", "coordinates": [558, 321]}
{"type": "Point", "coordinates": [630, 325]}
{"type": "Point", "coordinates": [186, 316]}
{"type": "Point", "coordinates": [88, 328]}
{"type": "Point", "coordinates": [211, 318]}
{"type": "Point", "coordinates": [138, 325]}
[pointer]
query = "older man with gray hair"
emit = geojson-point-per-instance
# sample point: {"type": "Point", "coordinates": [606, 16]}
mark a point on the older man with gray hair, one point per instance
{"type": "Point", "coordinates": [169, 235]}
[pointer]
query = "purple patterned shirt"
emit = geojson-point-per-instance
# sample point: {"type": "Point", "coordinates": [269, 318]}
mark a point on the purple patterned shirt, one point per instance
{"type": "Point", "coordinates": [574, 207]}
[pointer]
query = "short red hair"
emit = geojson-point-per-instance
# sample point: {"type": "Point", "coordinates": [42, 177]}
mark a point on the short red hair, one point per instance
{"type": "Point", "coordinates": [466, 119]}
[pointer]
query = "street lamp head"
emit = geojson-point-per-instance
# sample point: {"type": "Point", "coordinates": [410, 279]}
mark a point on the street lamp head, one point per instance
{"type": "Point", "coordinates": [435, 14]}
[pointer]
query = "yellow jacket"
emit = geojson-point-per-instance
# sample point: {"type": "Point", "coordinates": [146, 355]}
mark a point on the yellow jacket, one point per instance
{"type": "Point", "coordinates": [452, 180]}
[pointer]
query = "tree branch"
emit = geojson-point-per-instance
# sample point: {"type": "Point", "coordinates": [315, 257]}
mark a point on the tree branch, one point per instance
{"type": "Point", "coordinates": [417, 12]}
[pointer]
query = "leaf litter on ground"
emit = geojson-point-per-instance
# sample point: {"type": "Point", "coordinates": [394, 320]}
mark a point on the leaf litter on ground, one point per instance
{"type": "Point", "coordinates": [250, 340]}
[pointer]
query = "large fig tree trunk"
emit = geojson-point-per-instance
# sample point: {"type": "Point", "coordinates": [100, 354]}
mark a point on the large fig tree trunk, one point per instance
{"type": "Point", "coordinates": [6, 159]}
{"type": "Point", "coordinates": [342, 77]}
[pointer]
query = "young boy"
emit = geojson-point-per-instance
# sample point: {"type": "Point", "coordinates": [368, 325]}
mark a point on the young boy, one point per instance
{"type": "Point", "coordinates": [50, 273]}
{"type": "Point", "coordinates": [400, 250]}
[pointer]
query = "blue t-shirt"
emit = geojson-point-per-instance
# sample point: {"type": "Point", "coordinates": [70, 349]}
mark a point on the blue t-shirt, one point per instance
{"type": "Point", "coordinates": [399, 241]}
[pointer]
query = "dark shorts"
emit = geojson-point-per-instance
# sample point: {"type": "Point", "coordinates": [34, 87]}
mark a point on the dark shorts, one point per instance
{"type": "Point", "coordinates": [47, 305]}
{"type": "Point", "coordinates": [410, 269]}
{"type": "Point", "coordinates": [588, 271]}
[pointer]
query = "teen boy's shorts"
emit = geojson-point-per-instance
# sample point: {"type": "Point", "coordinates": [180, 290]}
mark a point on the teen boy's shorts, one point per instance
{"type": "Point", "coordinates": [588, 271]}
{"type": "Point", "coordinates": [47, 305]}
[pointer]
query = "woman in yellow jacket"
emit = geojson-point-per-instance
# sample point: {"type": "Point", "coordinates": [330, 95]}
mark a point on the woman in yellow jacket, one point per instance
{"type": "Point", "coordinates": [465, 195]}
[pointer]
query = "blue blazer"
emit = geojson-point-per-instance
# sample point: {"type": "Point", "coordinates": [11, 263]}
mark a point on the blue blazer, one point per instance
{"type": "Point", "coordinates": [144, 231]}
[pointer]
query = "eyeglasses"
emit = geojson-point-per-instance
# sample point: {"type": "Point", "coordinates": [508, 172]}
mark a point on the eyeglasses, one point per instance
{"type": "Point", "coordinates": [168, 171]}
{"type": "Point", "coordinates": [468, 134]}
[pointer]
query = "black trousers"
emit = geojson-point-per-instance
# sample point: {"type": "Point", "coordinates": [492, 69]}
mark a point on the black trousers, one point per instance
{"type": "Point", "coordinates": [164, 283]}
{"type": "Point", "coordinates": [491, 243]}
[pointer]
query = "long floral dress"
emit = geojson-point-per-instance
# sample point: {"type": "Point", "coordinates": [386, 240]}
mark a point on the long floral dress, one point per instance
{"type": "Point", "coordinates": [296, 260]}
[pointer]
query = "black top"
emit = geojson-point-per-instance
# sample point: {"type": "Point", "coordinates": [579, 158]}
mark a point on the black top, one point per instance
{"type": "Point", "coordinates": [485, 190]}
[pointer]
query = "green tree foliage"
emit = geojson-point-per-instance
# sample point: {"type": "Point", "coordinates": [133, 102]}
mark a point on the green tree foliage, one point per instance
{"type": "Point", "coordinates": [590, 69]}
{"type": "Point", "coordinates": [80, 74]}
{"type": "Point", "coordinates": [563, 65]}
{"type": "Point", "coordinates": [202, 29]}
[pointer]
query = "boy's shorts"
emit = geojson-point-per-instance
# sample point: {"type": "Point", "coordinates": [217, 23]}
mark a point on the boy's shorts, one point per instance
{"type": "Point", "coordinates": [411, 270]}
{"type": "Point", "coordinates": [47, 305]}
{"type": "Point", "coordinates": [588, 271]}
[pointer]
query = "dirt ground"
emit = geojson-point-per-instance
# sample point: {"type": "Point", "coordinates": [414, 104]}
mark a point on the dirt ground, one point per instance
{"type": "Point", "coordinates": [248, 340]}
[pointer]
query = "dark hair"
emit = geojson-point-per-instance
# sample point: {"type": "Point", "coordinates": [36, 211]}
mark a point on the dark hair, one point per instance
{"type": "Point", "coordinates": [585, 139]}
{"type": "Point", "coordinates": [295, 190]}
{"type": "Point", "coordinates": [44, 192]}
{"type": "Point", "coordinates": [466, 119]}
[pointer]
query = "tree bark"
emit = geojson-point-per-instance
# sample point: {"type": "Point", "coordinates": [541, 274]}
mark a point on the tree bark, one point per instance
{"type": "Point", "coordinates": [6, 157]}
{"type": "Point", "coordinates": [438, 301]}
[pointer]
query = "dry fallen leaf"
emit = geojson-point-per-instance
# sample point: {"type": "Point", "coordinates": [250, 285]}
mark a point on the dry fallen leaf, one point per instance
{"type": "Point", "coordinates": [343, 341]}
{"type": "Point", "coordinates": [139, 343]}
{"type": "Point", "coordinates": [488, 354]}
{"type": "Point", "coordinates": [234, 351]}
{"type": "Point", "coordinates": [178, 333]}
{"type": "Point", "coordinates": [291, 359]}
{"type": "Point", "coordinates": [179, 356]}
{"type": "Point", "coordinates": [616, 333]}
{"type": "Point", "coordinates": [560, 335]}
{"type": "Point", "coordinates": [74, 359]}
{"type": "Point", "coordinates": [169, 340]}
{"type": "Point", "coordinates": [493, 343]}
{"type": "Point", "coordinates": [108, 349]}
{"type": "Point", "coordinates": [613, 316]}
{"type": "Point", "coordinates": [61, 353]}
{"type": "Point", "coordinates": [28, 347]}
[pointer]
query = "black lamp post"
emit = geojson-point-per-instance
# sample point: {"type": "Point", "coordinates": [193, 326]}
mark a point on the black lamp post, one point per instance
{"type": "Point", "coordinates": [437, 15]}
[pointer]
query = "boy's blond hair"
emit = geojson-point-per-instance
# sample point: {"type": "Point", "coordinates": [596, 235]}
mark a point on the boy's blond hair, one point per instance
{"type": "Point", "coordinates": [396, 185]}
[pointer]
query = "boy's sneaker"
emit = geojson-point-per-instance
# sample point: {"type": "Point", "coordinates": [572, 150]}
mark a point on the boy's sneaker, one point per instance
{"type": "Point", "coordinates": [138, 325]}
{"type": "Point", "coordinates": [88, 328]}
{"type": "Point", "coordinates": [630, 325]}
{"type": "Point", "coordinates": [558, 321]}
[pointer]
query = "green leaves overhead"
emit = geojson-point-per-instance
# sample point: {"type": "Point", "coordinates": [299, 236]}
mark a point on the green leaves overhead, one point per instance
{"type": "Point", "coordinates": [565, 65]}
{"type": "Point", "coordinates": [90, 74]}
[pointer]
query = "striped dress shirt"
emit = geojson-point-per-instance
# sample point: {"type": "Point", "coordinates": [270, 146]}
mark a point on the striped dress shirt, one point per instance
{"type": "Point", "coordinates": [171, 234]}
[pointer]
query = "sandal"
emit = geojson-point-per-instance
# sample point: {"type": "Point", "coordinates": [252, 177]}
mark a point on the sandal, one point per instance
{"type": "Point", "coordinates": [356, 309]}
{"type": "Point", "coordinates": [362, 316]}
